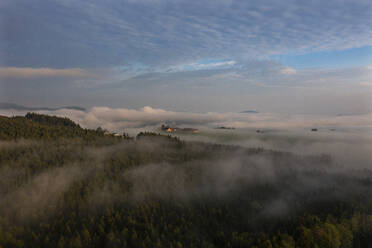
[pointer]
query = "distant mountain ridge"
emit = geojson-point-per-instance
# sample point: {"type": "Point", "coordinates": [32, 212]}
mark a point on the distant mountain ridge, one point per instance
{"type": "Point", "coordinates": [249, 112]}
{"type": "Point", "coordinates": [6, 105]}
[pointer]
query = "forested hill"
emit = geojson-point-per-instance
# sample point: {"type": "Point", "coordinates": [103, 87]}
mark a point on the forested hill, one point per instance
{"type": "Point", "coordinates": [65, 186]}
{"type": "Point", "coordinates": [39, 126]}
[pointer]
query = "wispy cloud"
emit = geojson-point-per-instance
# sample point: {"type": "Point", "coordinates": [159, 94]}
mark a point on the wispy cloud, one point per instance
{"type": "Point", "coordinates": [27, 72]}
{"type": "Point", "coordinates": [212, 65]}
{"type": "Point", "coordinates": [288, 71]}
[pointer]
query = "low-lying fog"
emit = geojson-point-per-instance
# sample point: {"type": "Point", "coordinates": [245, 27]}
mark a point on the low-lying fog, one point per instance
{"type": "Point", "coordinates": [349, 147]}
{"type": "Point", "coordinates": [347, 138]}
{"type": "Point", "coordinates": [347, 142]}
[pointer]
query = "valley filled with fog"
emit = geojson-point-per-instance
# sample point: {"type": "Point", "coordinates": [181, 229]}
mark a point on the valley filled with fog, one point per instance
{"type": "Point", "coordinates": [207, 186]}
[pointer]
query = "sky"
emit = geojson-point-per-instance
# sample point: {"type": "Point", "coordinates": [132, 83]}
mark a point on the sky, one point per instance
{"type": "Point", "coordinates": [291, 57]}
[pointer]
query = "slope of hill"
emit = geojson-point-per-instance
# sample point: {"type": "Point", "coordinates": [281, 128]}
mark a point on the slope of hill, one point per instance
{"type": "Point", "coordinates": [37, 126]}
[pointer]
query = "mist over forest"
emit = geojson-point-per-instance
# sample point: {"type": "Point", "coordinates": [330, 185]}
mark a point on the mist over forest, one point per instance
{"type": "Point", "coordinates": [67, 186]}
{"type": "Point", "coordinates": [186, 124]}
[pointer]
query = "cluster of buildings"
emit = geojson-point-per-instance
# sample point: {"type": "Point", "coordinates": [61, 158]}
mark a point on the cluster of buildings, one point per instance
{"type": "Point", "coordinates": [170, 129]}
{"type": "Point", "coordinates": [107, 133]}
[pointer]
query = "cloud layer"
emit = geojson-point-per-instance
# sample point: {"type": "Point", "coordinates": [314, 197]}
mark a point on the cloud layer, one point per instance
{"type": "Point", "coordinates": [120, 119]}
{"type": "Point", "coordinates": [182, 55]}
{"type": "Point", "coordinates": [167, 33]}
{"type": "Point", "coordinates": [260, 85]}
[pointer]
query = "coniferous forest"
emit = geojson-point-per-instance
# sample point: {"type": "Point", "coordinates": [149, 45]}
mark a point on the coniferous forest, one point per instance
{"type": "Point", "coordinates": [62, 185]}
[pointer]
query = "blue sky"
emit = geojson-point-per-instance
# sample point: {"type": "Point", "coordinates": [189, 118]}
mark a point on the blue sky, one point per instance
{"type": "Point", "coordinates": [183, 55]}
{"type": "Point", "coordinates": [354, 57]}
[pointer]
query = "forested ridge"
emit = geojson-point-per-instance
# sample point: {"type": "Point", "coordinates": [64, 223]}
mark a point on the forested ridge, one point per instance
{"type": "Point", "coordinates": [35, 126]}
{"type": "Point", "coordinates": [62, 185]}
